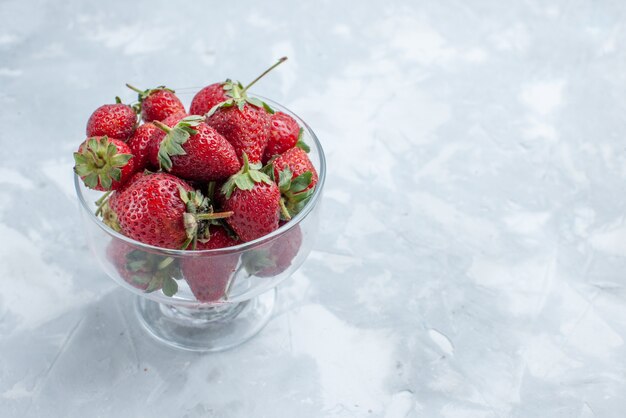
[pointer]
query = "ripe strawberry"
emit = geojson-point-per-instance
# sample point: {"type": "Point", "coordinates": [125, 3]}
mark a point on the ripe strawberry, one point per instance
{"type": "Point", "coordinates": [162, 210]}
{"type": "Point", "coordinates": [193, 150]}
{"type": "Point", "coordinates": [297, 161]}
{"type": "Point", "coordinates": [246, 127]}
{"type": "Point", "coordinates": [208, 275]}
{"type": "Point", "coordinates": [104, 163]}
{"type": "Point", "coordinates": [296, 177]}
{"type": "Point", "coordinates": [113, 120]}
{"type": "Point", "coordinates": [108, 205]}
{"type": "Point", "coordinates": [276, 256]}
{"type": "Point", "coordinates": [158, 103]}
{"type": "Point", "coordinates": [139, 144]}
{"type": "Point", "coordinates": [244, 121]}
{"type": "Point", "coordinates": [254, 200]}
{"type": "Point", "coordinates": [284, 134]}
{"type": "Point", "coordinates": [153, 147]}
{"type": "Point", "coordinates": [143, 270]}
{"type": "Point", "coordinates": [208, 97]}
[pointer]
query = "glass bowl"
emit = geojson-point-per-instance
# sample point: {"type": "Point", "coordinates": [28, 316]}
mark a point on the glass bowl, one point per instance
{"type": "Point", "coordinates": [238, 282]}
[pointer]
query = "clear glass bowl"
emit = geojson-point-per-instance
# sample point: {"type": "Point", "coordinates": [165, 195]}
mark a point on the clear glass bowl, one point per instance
{"type": "Point", "coordinates": [241, 279]}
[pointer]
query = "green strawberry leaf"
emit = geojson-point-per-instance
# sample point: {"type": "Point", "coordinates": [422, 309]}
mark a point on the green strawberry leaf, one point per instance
{"type": "Point", "coordinates": [299, 197]}
{"type": "Point", "coordinates": [80, 158]}
{"type": "Point", "coordinates": [105, 181]}
{"type": "Point", "coordinates": [301, 144]}
{"type": "Point", "coordinates": [254, 101]}
{"type": "Point", "coordinates": [156, 283]}
{"type": "Point", "coordinates": [119, 160]}
{"type": "Point", "coordinates": [164, 159]}
{"type": "Point", "coordinates": [140, 279]}
{"type": "Point", "coordinates": [170, 287]}
{"type": "Point", "coordinates": [268, 169]}
{"type": "Point", "coordinates": [268, 109]}
{"type": "Point", "coordinates": [256, 176]}
{"type": "Point", "coordinates": [98, 162]}
{"type": "Point", "coordinates": [245, 178]}
{"type": "Point", "coordinates": [116, 174]}
{"type": "Point", "coordinates": [244, 182]}
{"type": "Point", "coordinates": [224, 104]}
{"type": "Point", "coordinates": [91, 180]}
{"type": "Point", "coordinates": [284, 180]}
{"type": "Point", "coordinates": [301, 182]}
{"type": "Point", "coordinates": [175, 138]}
{"type": "Point", "coordinates": [255, 261]}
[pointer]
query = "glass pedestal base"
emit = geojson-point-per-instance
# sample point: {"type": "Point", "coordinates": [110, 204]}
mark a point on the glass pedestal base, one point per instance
{"type": "Point", "coordinates": [213, 328]}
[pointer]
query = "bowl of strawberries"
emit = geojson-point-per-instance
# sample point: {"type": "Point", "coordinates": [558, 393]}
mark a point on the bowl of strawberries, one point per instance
{"type": "Point", "coordinates": [200, 213]}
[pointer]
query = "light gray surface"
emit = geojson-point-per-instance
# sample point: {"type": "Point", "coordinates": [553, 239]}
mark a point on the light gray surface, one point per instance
{"type": "Point", "coordinates": [471, 259]}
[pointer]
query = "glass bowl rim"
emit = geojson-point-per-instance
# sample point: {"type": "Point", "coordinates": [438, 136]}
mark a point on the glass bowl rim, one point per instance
{"type": "Point", "coordinates": [235, 248]}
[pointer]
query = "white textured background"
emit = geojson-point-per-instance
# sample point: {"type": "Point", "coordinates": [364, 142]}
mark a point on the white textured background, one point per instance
{"type": "Point", "coordinates": [471, 261]}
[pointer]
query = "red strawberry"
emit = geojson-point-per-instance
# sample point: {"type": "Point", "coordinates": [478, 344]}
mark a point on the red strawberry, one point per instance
{"type": "Point", "coordinates": [296, 177]}
{"type": "Point", "coordinates": [208, 97]}
{"type": "Point", "coordinates": [193, 150]}
{"type": "Point", "coordinates": [162, 210]}
{"type": "Point", "coordinates": [244, 121]}
{"type": "Point", "coordinates": [208, 275]}
{"type": "Point", "coordinates": [246, 127]}
{"type": "Point", "coordinates": [113, 120]}
{"type": "Point", "coordinates": [284, 134]}
{"type": "Point", "coordinates": [276, 256]}
{"type": "Point", "coordinates": [153, 147]}
{"type": "Point", "coordinates": [143, 270]}
{"type": "Point", "coordinates": [104, 163]}
{"type": "Point", "coordinates": [158, 103]}
{"type": "Point", "coordinates": [139, 144]}
{"type": "Point", "coordinates": [297, 161]}
{"type": "Point", "coordinates": [108, 205]}
{"type": "Point", "coordinates": [254, 200]}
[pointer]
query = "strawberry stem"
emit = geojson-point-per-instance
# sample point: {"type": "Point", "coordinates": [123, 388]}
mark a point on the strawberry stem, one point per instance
{"type": "Point", "coordinates": [280, 61]}
{"type": "Point", "coordinates": [133, 88]}
{"type": "Point", "coordinates": [162, 126]}
{"type": "Point", "coordinates": [283, 210]}
{"type": "Point", "coordinates": [102, 201]}
{"type": "Point", "coordinates": [211, 216]}
{"type": "Point", "coordinates": [246, 163]}
{"type": "Point", "coordinates": [211, 190]}
{"type": "Point", "coordinates": [165, 262]}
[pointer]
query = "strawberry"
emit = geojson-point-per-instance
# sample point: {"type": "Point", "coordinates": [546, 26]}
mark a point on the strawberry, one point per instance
{"type": "Point", "coordinates": [193, 150]}
{"type": "Point", "coordinates": [158, 103]}
{"type": "Point", "coordinates": [284, 134]}
{"type": "Point", "coordinates": [208, 276]}
{"type": "Point", "coordinates": [208, 97]}
{"type": "Point", "coordinates": [108, 204]}
{"type": "Point", "coordinates": [254, 200]}
{"type": "Point", "coordinates": [246, 127]}
{"type": "Point", "coordinates": [139, 144]}
{"type": "Point", "coordinates": [104, 163]}
{"type": "Point", "coordinates": [162, 210]}
{"type": "Point", "coordinates": [143, 270]}
{"type": "Point", "coordinates": [297, 161]}
{"type": "Point", "coordinates": [296, 177]}
{"type": "Point", "coordinates": [113, 120]}
{"type": "Point", "coordinates": [244, 121]}
{"type": "Point", "coordinates": [153, 147]}
{"type": "Point", "coordinates": [276, 256]}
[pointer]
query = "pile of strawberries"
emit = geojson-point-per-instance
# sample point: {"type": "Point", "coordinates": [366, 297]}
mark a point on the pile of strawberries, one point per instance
{"type": "Point", "coordinates": [229, 171]}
